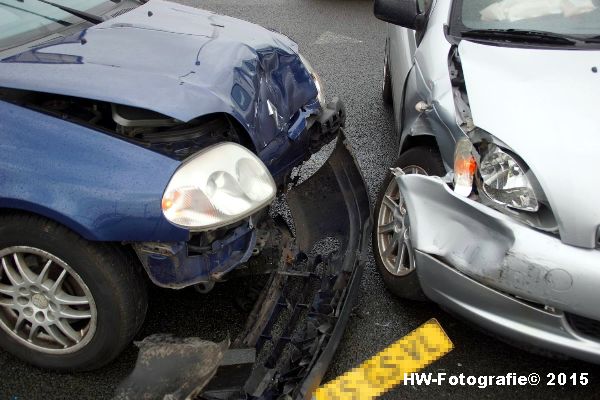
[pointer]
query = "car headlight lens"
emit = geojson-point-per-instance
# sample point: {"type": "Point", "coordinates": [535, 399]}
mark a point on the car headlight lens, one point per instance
{"type": "Point", "coordinates": [316, 79]}
{"type": "Point", "coordinates": [465, 166]}
{"type": "Point", "coordinates": [216, 187]}
{"type": "Point", "coordinates": [505, 181]}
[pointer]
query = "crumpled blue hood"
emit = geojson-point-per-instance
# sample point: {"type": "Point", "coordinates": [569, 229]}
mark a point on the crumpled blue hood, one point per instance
{"type": "Point", "coordinates": [175, 60]}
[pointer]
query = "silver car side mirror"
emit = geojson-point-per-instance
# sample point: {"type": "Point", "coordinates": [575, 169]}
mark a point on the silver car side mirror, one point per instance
{"type": "Point", "coordinates": [399, 12]}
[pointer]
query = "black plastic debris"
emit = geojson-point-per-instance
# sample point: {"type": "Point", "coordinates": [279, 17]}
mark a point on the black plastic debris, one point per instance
{"type": "Point", "coordinates": [171, 368]}
{"type": "Point", "coordinates": [298, 321]}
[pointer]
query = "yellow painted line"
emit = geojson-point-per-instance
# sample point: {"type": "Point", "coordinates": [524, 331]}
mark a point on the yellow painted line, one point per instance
{"type": "Point", "coordinates": [381, 373]}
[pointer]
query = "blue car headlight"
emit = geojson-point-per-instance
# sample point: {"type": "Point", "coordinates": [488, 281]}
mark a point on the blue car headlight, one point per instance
{"type": "Point", "coordinates": [216, 187]}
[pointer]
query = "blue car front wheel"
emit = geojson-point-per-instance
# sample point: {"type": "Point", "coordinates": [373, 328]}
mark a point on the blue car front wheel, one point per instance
{"type": "Point", "coordinates": [65, 303]}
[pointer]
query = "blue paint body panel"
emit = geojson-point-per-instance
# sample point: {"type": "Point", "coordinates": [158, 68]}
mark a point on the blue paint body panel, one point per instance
{"type": "Point", "coordinates": [179, 269]}
{"type": "Point", "coordinates": [178, 61]}
{"type": "Point", "coordinates": [100, 186]}
{"type": "Point", "coordinates": [182, 62]}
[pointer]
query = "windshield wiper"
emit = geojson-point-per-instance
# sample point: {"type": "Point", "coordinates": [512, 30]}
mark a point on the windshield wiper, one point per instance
{"type": "Point", "coordinates": [94, 19]}
{"type": "Point", "coordinates": [520, 35]}
{"type": "Point", "coordinates": [59, 21]}
{"type": "Point", "coordinates": [592, 39]}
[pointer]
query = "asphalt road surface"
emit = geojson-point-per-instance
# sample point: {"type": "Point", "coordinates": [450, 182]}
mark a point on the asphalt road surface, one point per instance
{"type": "Point", "coordinates": [344, 43]}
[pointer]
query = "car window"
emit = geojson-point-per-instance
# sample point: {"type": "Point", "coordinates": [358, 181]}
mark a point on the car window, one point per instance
{"type": "Point", "coordinates": [567, 17]}
{"type": "Point", "coordinates": [24, 21]}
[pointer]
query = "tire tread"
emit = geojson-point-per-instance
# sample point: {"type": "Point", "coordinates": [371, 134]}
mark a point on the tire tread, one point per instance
{"type": "Point", "coordinates": [124, 276]}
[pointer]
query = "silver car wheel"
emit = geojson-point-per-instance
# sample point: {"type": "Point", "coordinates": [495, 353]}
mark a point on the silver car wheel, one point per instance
{"type": "Point", "coordinates": [393, 229]}
{"type": "Point", "coordinates": [44, 303]}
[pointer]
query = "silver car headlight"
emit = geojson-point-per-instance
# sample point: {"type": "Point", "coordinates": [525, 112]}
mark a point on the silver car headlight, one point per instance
{"type": "Point", "coordinates": [220, 185]}
{"type": "Point", "coordinates": [504, 180]}
{"type": "Point", "coordinates": [316, 79]}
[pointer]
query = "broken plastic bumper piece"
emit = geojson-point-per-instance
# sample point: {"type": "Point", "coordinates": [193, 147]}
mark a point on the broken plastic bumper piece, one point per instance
{"type": "Point", "coordinates": [177, 265]}
{"type": "Point", "coordinates": [297, 323]}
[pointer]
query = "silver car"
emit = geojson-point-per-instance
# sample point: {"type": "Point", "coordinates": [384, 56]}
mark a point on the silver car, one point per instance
{"type": "Point", "coordinates": [492, 209]}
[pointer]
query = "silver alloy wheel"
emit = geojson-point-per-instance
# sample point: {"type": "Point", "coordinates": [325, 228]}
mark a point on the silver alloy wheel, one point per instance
{"type": "Point", "coordinates": [393, 229]}
{"type": "Point", "coordinates": [44, 303]}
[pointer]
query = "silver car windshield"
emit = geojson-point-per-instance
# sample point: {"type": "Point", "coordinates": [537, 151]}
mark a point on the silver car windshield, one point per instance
{"type": "Point", "coordinates": [576, 18]}
{"type": "Point", "coordinates": [21, 22]}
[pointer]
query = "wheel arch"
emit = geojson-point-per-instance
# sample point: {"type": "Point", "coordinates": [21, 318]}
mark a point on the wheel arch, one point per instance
{"type": "Point", "coordinates": [411, 141]}
{"type": "Point", "coordinates": [25, 208]}
{"type": "Point", "coordinates": [70, 224]}
{"type": "Point", "coordinates": [426, 132]}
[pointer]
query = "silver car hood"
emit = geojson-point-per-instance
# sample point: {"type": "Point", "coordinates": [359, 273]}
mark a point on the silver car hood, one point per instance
{"type": "Point", "coordinates": [543, 103]}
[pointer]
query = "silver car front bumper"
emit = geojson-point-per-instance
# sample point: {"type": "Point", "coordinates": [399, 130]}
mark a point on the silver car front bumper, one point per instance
{"type": "Point", "coordinates": [499, 273]}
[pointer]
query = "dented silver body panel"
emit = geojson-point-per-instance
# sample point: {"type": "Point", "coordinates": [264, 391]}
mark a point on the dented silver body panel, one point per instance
{"type": "Point", "coordinates": [517, 281]}
{"type": "Point", "coordinates": [498, 251]}
{"type": "Point", "coordinates": [508, 278]}
{"type": "Point", "coordinates": [425, 79]}
{"type": "Point", "coordinates": [504, 315]}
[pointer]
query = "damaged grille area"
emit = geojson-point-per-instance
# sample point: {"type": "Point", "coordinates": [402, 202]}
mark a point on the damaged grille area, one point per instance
{"type": "Point", "coordinates": [301, 322]}
{"type": "Point", "coordinates": [301, 305]}
{"type": "Point", "coordinates": [585, 326]}
{"type": "Point", "coordinates": [299, 318]}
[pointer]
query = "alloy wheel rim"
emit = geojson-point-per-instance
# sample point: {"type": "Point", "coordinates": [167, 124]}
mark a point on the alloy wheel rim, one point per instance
{"type": "Point", "coordinates": [44, 303]}
{"type": "Point", "coordinates": [393, 229]}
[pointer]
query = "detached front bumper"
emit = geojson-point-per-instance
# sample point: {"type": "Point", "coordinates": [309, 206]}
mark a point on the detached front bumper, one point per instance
{"type": "Point", "coordinates": [299, 323]}
{"type": "Point", "coordinates": [508, 277]}
{"type": "Point", "coordinates": [296, 325]}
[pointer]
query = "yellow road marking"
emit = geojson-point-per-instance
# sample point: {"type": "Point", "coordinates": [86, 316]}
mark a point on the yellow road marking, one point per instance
{"type": "Point", "coordinates": [381, 373]}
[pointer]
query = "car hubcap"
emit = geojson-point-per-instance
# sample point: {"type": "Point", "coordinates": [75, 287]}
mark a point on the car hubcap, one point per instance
{"type": "Point", "coordinates": [44, 303]}
{"type": "Point", "coordinates": [393, 229]}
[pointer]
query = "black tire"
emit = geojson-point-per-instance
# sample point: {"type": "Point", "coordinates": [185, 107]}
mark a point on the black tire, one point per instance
{"type": "Point", "coordinates": [113, 277]}
{"type": "Point", "coordinates": [428, 159]}
{"type": "Point", "coordinates": [387, 92]}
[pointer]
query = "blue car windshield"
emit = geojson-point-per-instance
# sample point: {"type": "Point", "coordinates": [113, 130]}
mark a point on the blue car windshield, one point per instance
{"type": "Point", "coordinates": [27, 20]}
{"type": "Point", "coordinates": [575, 18]}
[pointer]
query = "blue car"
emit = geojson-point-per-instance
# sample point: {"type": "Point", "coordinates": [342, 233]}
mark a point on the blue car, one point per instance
{"type": "Point", "coordinates": [150, 139]}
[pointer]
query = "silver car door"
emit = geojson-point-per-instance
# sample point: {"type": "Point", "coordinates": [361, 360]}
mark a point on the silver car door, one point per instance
{"type": "Point", "coordinates": [402, 46]}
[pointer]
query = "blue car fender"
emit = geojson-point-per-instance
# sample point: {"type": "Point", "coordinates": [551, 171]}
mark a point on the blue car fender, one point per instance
{"type": "Point", "coordinates": [100, 186]}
